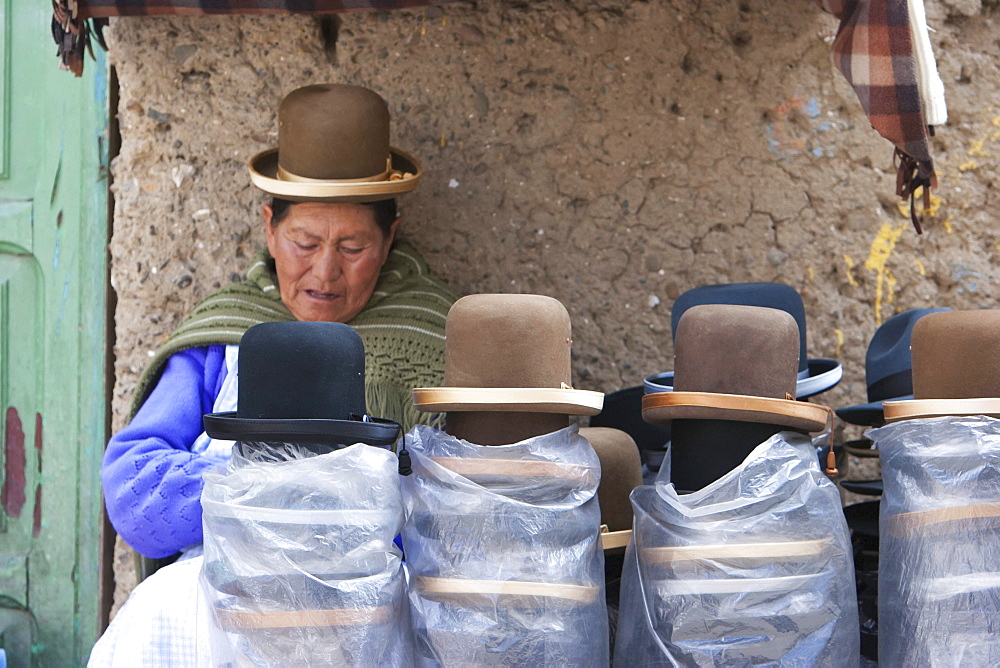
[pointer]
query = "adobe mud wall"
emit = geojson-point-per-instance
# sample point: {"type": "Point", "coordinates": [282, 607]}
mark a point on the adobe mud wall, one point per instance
{"type": "Point", "coordinates": [609, 153]}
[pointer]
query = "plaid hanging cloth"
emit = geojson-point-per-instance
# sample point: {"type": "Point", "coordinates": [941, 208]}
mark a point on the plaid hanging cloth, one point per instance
{"type": "Point", "coordinates": [883, 51]}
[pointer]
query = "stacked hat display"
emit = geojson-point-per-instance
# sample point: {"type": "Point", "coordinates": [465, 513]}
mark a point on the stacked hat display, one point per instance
{"type": "Point", "coordinates": [939, 579]}
{"type": "Point", "coordinates": [813, 375]}
{"type": "Point", "coordinates": [754, 568]}
{"type": "Point", "coordinates": [300, 565]}
{"type": "Point", "coordinates": [888, 377]}
{"type": "Point", "coordinates": [734, 375]}
{"type": "Point", "coordinates": [503, 535]}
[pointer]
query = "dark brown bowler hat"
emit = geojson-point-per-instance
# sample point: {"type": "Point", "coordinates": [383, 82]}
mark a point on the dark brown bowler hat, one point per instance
{"type": "Point", "coordinates": [735, 370]}
{"type": "Point", "coordinates": [956, 366]}
{"type": "Point", "coordinates": [736, 363]}
{"type": "Point", "coordinates": [333, 146]}
{"type": "Point", "coordinates": [507, 374]}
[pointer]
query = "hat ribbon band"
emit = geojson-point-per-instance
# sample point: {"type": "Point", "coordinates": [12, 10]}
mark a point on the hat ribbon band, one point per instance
{"type": "Point", "coordinates": [385, 175]}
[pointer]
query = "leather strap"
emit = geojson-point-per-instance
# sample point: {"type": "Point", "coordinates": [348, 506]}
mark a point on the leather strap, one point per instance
{"type": "Point", "coordinates": [284, 619]}
{"type": "Point", "coordinates": [371, 431]}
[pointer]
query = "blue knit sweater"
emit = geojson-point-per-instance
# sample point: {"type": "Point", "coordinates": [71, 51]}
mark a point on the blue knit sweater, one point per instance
{"type": "Point", "coordinates": [152, 481]}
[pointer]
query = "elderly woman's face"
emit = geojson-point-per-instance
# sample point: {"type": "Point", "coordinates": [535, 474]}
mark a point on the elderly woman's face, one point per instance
{"type": "Point", "coordinates": [328, 258]}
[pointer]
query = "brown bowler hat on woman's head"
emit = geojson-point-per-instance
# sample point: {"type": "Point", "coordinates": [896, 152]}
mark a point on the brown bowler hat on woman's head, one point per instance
{"type": "Point", "coordinates": [735, 371]}
{"type": "Point", "coordinates": [956, 367]}
{"type": "Point", "coordinates": [333, 146]}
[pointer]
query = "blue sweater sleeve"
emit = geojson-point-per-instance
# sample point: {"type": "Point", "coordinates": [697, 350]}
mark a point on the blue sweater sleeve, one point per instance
{"type": "Point", "coordinates": [152, 481]}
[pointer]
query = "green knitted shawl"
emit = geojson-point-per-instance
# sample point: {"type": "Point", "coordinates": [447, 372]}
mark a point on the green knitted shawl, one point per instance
{"type": "Point", "coordinates": [402, 327]}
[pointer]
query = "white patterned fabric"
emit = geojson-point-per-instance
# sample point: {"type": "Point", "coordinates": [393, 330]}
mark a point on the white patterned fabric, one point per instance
{"type": "Point", "coordinates": [224, 403]}
{"type": "Point", "coordinates": [162, 625]}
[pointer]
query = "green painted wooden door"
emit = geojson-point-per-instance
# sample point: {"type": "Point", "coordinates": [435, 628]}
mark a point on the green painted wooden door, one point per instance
{"type": "Point", "coordinates": [53, 236]}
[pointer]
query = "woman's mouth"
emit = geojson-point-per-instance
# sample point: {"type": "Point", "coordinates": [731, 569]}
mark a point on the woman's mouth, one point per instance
{"type": "Point", "coordinates": [322, 296]}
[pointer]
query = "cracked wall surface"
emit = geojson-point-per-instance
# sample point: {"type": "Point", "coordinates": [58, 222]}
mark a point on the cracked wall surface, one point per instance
{"type": "Point", "coordinates": [609, 153]}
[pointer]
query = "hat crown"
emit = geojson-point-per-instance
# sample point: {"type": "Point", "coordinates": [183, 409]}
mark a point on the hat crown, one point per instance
{"type": "Point", "coordinates": [300, 371]}
{"type": "Point", "coordinates": [736, 349]}
{"type": "Point", "coordinates": [956, 355]}
{"type": "Point", "coordinates": [503, 340]}
{"type": "Point", "coordinates": [888, 366]}
{"type": "Point", "coordinates": [333, 132]}
{"type": "Point", "coordinates": [768, 295]}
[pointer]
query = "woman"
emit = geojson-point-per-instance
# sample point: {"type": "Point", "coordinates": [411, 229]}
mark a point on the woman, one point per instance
{"type": "Point", "coordinates": [330, 256]}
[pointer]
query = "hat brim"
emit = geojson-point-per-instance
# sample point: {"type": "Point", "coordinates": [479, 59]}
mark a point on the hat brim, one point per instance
{"type": "Point", "coordinates": [930, 408]}
{"type": "Point", "coordinates": [823, 375]}
{"type": "Point", "coordinates": [614, 540]}
{"type": "Point", "coordinates": [232, 620]}
{"type": "Point", "coordinates": [867, 415]}
{"type": "Point", "coordinates": [508, 399]}
{"type": "Point", "coordinates": [451, 589]}
{"type": "Point", "coordinates": [665, 407]}
{"type": "Point", "coordinates": [264, 174]}
{"type": "Point", "coordinates": [741, 552]}
{"type": "Point", "coordinates": [231, 427]}
{"type": "Point", "coordinates": [864, 487]}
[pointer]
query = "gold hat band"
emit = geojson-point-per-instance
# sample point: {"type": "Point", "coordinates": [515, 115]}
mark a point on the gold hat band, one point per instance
{"type": "Point", "coordinates": [385, 175]}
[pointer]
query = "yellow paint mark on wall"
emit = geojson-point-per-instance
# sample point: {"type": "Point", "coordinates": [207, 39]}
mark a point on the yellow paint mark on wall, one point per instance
{"type": "Point", "coordinates": [976, 148]}
{"type": "Point", "coordinates": [444, 140]}
{"type": "Point", "coordinates": [850, 270]}
{"type": "Point", "coordinates": [947, 226]}
{"type": "Point", "coordinates": [840, 341]}
{"type": "Point", "coordinates": [920, 267]}
{"type": "Point", "coordinates": [966, 166]}
{"type": "Point", "coordinates": [878, 259]}
{"type": "Point", "coordinates": [810, 273]}
{"type": "Point", "coordinates": [930, 212]}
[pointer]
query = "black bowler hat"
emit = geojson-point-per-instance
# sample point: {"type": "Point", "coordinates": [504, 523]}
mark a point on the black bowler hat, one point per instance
{"type": "Point", "coordinates": [302, 382]}
{"type": "Point", "coordinates": [888, 368]}
{"type": "Point", "coordinates": [814, 375]}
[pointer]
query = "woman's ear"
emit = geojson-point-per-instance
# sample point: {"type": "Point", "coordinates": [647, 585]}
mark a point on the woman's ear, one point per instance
{"type": "Point", "coordinates": [268, 228]}
{"type": "Point", "coordinates": [389, 238]}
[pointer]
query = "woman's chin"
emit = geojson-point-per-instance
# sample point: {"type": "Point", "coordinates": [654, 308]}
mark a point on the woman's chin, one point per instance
{"type": "Point", "coordinates": [323, 313]}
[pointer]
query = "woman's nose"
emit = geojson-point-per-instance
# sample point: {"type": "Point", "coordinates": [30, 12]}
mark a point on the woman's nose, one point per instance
{"type": "Point", "coordinates": [326, 266]}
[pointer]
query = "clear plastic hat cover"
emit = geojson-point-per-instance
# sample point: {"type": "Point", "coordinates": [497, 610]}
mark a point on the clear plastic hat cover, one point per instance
{"type": "Point", "coordinates": [300, 566]}
{"type": "Point", "coordinates": [503, 550]}
{"type": "Point", "coordinates": [755, 569]}
{"type": "Point", "coordinates": [939, 552]}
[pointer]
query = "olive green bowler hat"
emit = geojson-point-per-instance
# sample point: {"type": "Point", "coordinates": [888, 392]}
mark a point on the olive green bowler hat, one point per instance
{"type": "Point", "coordinates": [333, 146]}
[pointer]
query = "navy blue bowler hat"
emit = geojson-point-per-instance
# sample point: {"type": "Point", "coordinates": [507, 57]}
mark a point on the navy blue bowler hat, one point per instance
{"type": "Point", "coordinates": [303, 383]}
{"type": "Point", "coordinates": [814, 376]}
{"type": "Point", "coordinates": [888, 369]}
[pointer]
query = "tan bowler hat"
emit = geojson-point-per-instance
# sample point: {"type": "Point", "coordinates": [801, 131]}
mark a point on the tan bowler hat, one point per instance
{"type": "Point", "coordinates": [507, 373]}
{"type": "Point", "coordinates": [508, 353]}
{"type": "Point", "coordinates": [735, 363]}
{"type": "Point", "coordinates": [956, 367]}
{"type": "Point", "coordinates": [333, 146]}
